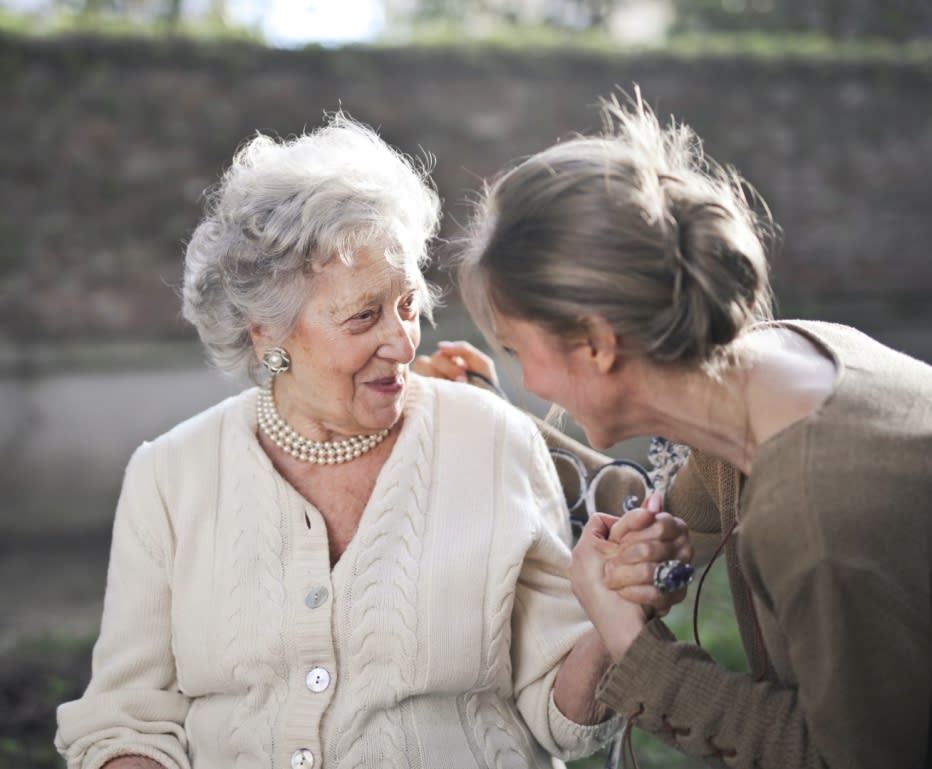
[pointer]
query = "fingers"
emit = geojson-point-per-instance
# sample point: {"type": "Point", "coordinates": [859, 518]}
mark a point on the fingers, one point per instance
{"type": "Point", "coordinates": [654, 502]}
{"type": "Point", "coordinates": [653, 551]}
{"type": "Point", "coordinates": [471, 358]}
{"type": "Point", "coordinates": [452, 360]}
{"type": "Point", "coordinates": [595, 534]}
{"type": "Point", "coordinates": [633, 521]}
{"type": "Point", "coordinates": [684, 551]}
{"type": "Point", "coordinates": [586, 563]}
{"type": "Point", "coordinates": [642, 543]}
{"type": "Point", "coordinates": [627, 567]}
{"type": "Point", "coordinates": [635, 583]}
{"type": "Point", "coordinates": [651, 596]}
{"type": "Point", "coordinates": [618, 575]}
{"type": "Point", "coordinates": [423, 366]}
{"type": "Point", "coordinates": [646, 526]}
{"type": "Point", "coordinates": [440, 366]}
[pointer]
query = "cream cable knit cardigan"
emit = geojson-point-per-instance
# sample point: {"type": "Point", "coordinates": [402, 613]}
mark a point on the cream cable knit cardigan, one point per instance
{"type": "Point", "coordinates": [441, 627]}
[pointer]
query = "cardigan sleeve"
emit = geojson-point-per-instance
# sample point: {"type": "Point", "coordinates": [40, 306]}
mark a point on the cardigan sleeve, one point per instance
{"type": "Point", "coordinates": [132, 705]}
{"type": "Point", "coordinates": [546, 623]}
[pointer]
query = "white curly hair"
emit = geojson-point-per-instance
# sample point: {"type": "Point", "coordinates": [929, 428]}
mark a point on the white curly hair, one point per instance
{"type": "Point", "coordinates": [284, 209]}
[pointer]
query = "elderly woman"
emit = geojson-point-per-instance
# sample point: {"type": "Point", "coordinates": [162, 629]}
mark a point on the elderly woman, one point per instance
{"type": "Point", "coordinates": [628, 276]}
{"type": "Point", "coordinates": [349, 565]}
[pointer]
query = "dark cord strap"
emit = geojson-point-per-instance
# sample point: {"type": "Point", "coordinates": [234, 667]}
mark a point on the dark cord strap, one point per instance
{"type": "Point", "coordinates": [705, 572]}
{"type": "Point", "coordinates": [761, 674]}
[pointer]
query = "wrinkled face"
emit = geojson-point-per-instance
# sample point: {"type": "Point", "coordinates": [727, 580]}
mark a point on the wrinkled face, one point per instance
{"type": "Point", "coordinates": [350, 350]}
{"type": "Point", "coordinates": [558, 371]}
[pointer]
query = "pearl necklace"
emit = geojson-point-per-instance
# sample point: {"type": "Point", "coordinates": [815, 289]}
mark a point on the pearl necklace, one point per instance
{"type": "Point", "coordinates": [316, 452]}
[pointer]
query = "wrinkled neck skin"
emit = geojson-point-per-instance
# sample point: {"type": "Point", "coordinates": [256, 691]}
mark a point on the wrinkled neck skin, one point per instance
{"type": "Point", "coordinates": [778, 378]}
{"type": "Point", "coordinates": [685, 405]}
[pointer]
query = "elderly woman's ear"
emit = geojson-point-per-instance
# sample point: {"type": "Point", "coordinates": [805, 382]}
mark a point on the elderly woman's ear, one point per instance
{"type": "Point", "coordinates": [260, 340]}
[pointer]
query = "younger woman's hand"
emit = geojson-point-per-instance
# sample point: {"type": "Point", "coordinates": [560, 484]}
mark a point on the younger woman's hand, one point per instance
{"type": "Point", "coordinates": [452, 360]}
{"type": "Point", "coordinates": [643, 538]}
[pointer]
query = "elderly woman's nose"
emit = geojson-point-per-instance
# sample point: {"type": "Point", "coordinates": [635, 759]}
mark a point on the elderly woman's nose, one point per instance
{"type": "Point", "coordinates": [400, 340]}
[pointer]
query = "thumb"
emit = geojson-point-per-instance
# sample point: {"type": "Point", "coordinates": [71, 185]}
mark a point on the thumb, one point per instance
{"type": "Point", "coordinates": [654, 502]}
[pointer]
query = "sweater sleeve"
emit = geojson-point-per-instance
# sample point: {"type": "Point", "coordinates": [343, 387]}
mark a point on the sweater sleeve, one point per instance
{"type": "Point", "coordinates": [845, 714]}
{"type": "Point", "coordinates": [858, 647]}
{"type": "Point", "coordinates": [676, 691]}
{"type": "Point", "coordinates": [132, 705]}
{"type": "Point", "coordinates": [692, 499]}
{"type": "Point", "coordinates": [861, 652]}
{"type": "Point", "coordinates": [546, 623]}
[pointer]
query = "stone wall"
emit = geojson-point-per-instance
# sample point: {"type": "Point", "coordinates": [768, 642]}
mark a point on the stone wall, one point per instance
{"type": "Point", "coordinates": [106, 146]}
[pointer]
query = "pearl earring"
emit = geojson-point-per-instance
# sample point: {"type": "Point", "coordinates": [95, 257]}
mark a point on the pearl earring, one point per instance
{"type": "Point", "coordinates": [276, 360]}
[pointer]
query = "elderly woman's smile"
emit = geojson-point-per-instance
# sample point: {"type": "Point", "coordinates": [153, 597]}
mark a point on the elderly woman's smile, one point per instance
{"type": "Point", "coordinates": [357, 333]}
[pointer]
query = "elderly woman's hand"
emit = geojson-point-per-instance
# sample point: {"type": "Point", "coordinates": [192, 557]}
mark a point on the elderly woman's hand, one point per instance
{"type": "Point", "coordinates": [453, 359]}
{"type": "Point", "coordinates": [643, 538]}
{"type": "Point", "coordinates": [618, 621]}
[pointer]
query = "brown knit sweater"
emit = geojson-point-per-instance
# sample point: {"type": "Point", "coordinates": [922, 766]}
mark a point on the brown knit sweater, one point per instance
{"type": "Point", "coordinates": [832, 557]}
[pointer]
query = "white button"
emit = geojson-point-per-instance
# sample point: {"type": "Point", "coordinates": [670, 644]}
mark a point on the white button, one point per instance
{"type": "Point", "coordinates": [318, 680]}
{"type": "Point", "coordinates": [317, 596]}
{"type": "Point", "coordinates": [302, 758]}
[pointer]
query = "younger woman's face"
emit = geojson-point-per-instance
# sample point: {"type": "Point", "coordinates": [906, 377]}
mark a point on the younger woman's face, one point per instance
{"type": "Point", "coordinates": [559, 371]}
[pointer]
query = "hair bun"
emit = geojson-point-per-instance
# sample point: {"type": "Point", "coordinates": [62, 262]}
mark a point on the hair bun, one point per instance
{"type": "Point", "coordinates": [719, 275]}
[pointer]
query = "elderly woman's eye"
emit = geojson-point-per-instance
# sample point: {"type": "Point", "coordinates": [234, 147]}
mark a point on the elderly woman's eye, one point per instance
{"type": "Point", "coordinates": [409, 302]}
{"type": "Point", "coordinates": [364, 315]}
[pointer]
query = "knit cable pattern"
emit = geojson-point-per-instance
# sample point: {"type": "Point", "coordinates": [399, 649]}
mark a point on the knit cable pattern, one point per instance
{"type": "Point", "coordinates": [254, 651]}
{"type": "Point", "coordinates": [484, 707]}
{"type": "Point", "coordinates": [381, 646]}
{"type": "Point", "coordinates": [488, 715]}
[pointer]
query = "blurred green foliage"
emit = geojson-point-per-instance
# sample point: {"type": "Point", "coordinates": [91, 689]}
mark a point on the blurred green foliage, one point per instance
{"type": "Point", "coordinates": [727, 26]}
{"type": "Point", "coordinates": [35, 677]}
{"type": "Point", "coordinates": [60, 22]}
{"type": "Point", "coordinates": [893, 19]}
{"type": "Point", "coordinates": [751, 44]}
{"type": "Point", "coordinates": [531, 38]}
{"type": "Point", "coordinates": [842, 19]}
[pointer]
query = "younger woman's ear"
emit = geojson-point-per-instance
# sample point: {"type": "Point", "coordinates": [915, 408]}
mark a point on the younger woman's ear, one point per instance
{"type": "Point", "coordinates": [604, 344]}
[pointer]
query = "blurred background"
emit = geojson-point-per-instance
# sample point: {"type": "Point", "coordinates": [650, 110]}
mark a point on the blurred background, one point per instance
{"type": "Point", "coordinates": [116, 114]}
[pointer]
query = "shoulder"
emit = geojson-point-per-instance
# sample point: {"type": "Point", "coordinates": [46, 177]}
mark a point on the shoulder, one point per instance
{"type": "Point", "coordinates": [851, 347]}
{"type": "Point", "coordinates": [873, 433]}
{"type": "Point", "coordinates": [484, 408]}
{"type": "Point", "coordinates": [210, 421]}
{"type": "Point", "coordinates": [471, 421]}
{"type": "Point", "coordinates": [195, 440]}
{"type": "Point", "coordinates": [485, 437]}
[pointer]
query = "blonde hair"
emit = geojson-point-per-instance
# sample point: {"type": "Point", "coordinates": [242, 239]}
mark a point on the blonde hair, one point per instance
{"type": "Point", "coordinates": [636, 225]}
